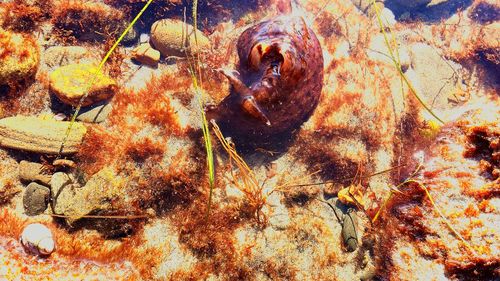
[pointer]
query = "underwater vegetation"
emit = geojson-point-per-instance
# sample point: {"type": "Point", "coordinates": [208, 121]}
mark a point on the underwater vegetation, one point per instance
{"type": "Point", "coordinates": [249, 140]}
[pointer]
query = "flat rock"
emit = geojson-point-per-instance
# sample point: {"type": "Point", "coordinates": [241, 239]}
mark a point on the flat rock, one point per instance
{"type": "Point", "coordinates": [172, 37]}
{"type": "Point", "coordinates": [37, 135]}
{"type": "Point", "coordinates": [71, 82]}
{"type": "Point", "coordinates": [35, 199]}
{"type": "Point", "coordinates": [95, 114]}
{"type": "Point", "coordinates": [19, 57]}
{"type": "Point", "coordinates": [97, 194]}
{"type": "Point", "coordinates": [33, 172]}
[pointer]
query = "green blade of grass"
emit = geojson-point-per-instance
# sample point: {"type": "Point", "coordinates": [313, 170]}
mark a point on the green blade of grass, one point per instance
{"type": "Point", "coordinates": [195, 71]}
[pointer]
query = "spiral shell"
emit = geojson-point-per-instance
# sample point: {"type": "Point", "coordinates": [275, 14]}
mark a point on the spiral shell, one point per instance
{"type": "Point", "coordinates": [37, 239]}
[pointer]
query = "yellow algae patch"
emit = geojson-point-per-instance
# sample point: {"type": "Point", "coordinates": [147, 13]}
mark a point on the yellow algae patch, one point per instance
{"type": "Point", "coordinates": [71, 82]}
{"type": "Point", "coordinates": [40, 135]}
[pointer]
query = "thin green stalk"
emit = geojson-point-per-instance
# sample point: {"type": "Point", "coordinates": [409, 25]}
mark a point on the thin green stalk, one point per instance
{"type": "Point", "coordinates": [195, 70]}
{"type": "Point", "coordinates": [397, 62]}
{"type": "Point", "coordinates": [99, 69]}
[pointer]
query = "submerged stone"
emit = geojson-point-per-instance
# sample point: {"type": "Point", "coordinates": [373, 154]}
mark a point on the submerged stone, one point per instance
{"type": "Point", "coordinates": [71, 82]}
{"type": "Point", "coordinates": [35, 199]}
{"type": "Point", "coordinates": [171, 37]}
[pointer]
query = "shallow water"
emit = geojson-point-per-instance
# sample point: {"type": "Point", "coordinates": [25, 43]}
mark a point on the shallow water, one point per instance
{"type": "Point", "coordinates": [326, 140]}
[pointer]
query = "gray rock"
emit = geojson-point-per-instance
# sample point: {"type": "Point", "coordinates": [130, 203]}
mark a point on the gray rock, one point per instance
{"type": "Point", "coordinates": [435, 78]}
{"type": "Point", "coordinates": [62, 180]}
{"type": "Point", "coordinates": [131, 36]}
{"type": "Point", "coordinates": [30, 171]}
{"type": "Point", "coordinates": [97, 194]}
{"type": "Point", "coordinates": [35, 199]}
{"type": "Point", "coordinates": [95, 114]}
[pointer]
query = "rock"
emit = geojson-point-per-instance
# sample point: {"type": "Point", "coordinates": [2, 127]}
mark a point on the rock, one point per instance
{"type": "Point", "coordinates": [97, 194]}
{"type": "Point", "coordinates": [30, 171]}
{"type": "Point", "coordinates": [62, 180]}
{"type": "Point", "coordinates": [19, 57]}
{"type": "Point", "coordinates": [40, 136]}
{"type": "Point", "coordinates": [64, 55]}
{"type": "Point", "coordinates": [37, 239]}
{"type": "Point", "coordinates": [378, 51]}
{"type": "Point", "coordinates": [434, 78]}
{"type": "Point", "coordinates": [388, 17]}
{"type": "Point", "coordinates": [95, 114]}
{"type": "Point", "coordinates": [169, 37]}
{"type": "Point", "coordinates": [131, 35]}
{"type": "Point", "coordinates": [71, 82]}
{"type": "Point", "coordinates": [145, 54]}
{"type": "Point", "coordinates": [35, 199]}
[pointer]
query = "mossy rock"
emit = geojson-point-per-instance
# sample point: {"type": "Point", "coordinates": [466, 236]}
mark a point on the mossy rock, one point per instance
{"type": "Point", "coordinates": [174, 38]}
{"type": "Point", "coordinates": [19, 57]}
{"type": "Point", "coordinates": [71, 82]}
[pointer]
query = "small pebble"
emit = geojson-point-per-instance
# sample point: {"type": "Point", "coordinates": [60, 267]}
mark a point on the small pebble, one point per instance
{"type": "Point", "coordinates": [35, 199]}
{"type": "Point", "coordinates": [33, 172]}
{"type": "Point", "coordinates": [37, 239]}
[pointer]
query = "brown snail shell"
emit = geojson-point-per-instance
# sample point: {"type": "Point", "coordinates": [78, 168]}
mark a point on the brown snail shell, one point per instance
{"type": "Point", "coordinates": [278, 83]}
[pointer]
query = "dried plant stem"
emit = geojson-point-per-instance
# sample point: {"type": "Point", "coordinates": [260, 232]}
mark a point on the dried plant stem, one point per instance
{"type": "Point", "coordinates": [130, 217]}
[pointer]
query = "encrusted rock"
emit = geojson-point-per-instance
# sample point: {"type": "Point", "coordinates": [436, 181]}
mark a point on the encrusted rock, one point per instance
{"type": "Point", "coordinates": [39, 135]}
{"type": "Point", "coordinates": [71, 82]}
{"type": "Point", "coordinates": [171, 37]}
{"type": "Point", "coordinates": [19, 57]}
{"type": "Point", "coordinates": [30, 171]}
{"type": "Point", "coordinates": [37, 239]}
{"type": "Point", "coordinates": [145, 54]}
{"type": "Point", "coordinates": [95, 114]}
{"type": "Point", "coordinates": [97, 194]}
{"type": "Point", "coordinates": [35, 199]}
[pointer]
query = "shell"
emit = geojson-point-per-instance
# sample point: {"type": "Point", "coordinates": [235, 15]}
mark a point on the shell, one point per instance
{"type": "Point", "coordinates": [37, 239]}
{"type": "Point", "coordinates": [278, 83]}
